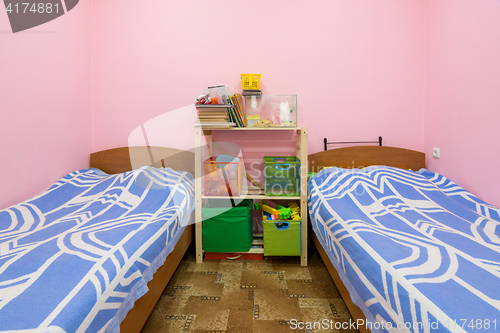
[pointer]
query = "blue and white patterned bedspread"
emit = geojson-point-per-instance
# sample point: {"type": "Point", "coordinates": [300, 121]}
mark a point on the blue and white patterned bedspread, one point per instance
{"type": "Point", "coordinates": [416, 251]}
{"type": "Point", "coordinates": [75, 258]}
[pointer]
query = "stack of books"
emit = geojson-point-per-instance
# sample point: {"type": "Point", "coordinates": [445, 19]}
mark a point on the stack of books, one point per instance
{"type": "Point", "coordinates": [213, 115]}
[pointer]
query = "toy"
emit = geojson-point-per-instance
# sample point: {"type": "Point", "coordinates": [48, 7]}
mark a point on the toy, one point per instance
{"type": "Point", "coordinates": [270, 123]}
{"type": "Point", "coordinates": [284, 212]}
{"type": "Point", "coordinates": [203, 99]}
{"type": "Point", "coordinates": [264, 202]}
{"type": "Point", "coordinates": [266, 209]}
{"type": "Point", "coordinates": [263, 123]}
{"type": "Point", "coordinates": [279, 212]}
{"type": "Point", "coordinates": [266, 216]}
{"type": "Point", "coordinates": [295, 211]}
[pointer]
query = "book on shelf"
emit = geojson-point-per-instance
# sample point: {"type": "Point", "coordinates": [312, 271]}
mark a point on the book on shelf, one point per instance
{"type": "Point", "coordinates": [234, 112]}
{"type": "Point", "coordinates": [215, 124]}
{"type": "Point", "coordinates": [213, 120]}
{"type": "Point", "coordinates": [212, 111]}
{"type": "Point", "coordinates": [240, 108]}
{"type": "Point", "coordinates": [211, 106]}
{"type": "Point", "coordinates": [213, 115]}
{"type": "Point", "coordinates": [231, 118]}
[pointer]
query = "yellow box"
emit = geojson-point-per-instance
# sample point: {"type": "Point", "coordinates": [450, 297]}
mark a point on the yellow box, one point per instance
{"type": "Point", "coordinates": [250, 81]}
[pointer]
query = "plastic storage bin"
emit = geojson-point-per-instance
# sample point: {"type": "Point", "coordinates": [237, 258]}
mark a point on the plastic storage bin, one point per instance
{"type": "Point", "coordinates": [281, 238]}
{"type": "Point", "coordinates": [226, 228]}
{"type": "Point", "coordinates": [250, 81]}
{"type": "Point", "coordinates": [282, 175]}
{"type": "Point", "coordinates": [274, 110]}
{"type": "Point", "coordinates": [222, 178]}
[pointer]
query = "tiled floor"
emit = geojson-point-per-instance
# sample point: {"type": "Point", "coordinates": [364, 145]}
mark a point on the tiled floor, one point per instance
{"type": "Point", "coordinates": [270, 295]}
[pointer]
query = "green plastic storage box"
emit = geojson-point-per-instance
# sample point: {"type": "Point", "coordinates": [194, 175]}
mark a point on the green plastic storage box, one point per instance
{"type": "Point", "coordinates": [226, 228]}
{"type": "Point", "coordinates": [282, 175]}
{"type": "Point", "coordinates": [281, 238]}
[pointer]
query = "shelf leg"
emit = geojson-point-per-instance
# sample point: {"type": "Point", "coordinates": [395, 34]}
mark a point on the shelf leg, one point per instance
{"type": "Point", "coordinates": [302, 155]}
{"type": "Point", "coordinates": [198, 194]}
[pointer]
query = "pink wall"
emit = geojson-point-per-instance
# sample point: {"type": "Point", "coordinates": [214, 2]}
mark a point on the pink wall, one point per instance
{"type": "Point", "coordinates": [357, 66]}
{"type": "Point", "coordinates": [45, 103]}
{"type": "Point", "coordinates": [421, 73]}
{"type": "Point", "coordinates": [462, 113]}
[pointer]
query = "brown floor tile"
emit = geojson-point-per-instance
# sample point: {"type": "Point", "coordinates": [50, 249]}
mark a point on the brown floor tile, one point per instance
{"type": "Point", "coordinates": [236, 298]}
{"type": "Point", "coordinates": [314, 289]}
{"type": "Point", "coordinates": [320, 273]}
{"type": "Point", "coordinates": [246, 296]}
{"type": "Point", "coordinates": [171, 306]}
{"type": "Point", "coordinates": [207, 265]}
{"type": "Point", "coordinates": [276, 305]}
{"type": "Point", "coordinates": [318, 315]}
{"type": "Point", "coordinates": [208, 313]}
{"type": "Point", "coordinates": [340, 307]}
{"type": "Point", "coordinates": [196, 284]}
{"type": "Point", "coordinates": [315, 259]}
{"type": "Point", "coordinates": [158, 323]}
{"type": "Point", "coordinates": [263, 279]}
{"type": "Point", "coordinates": [230, 271]}
{"type": "Point", "coordinates": [323, 283]}
{"type": "Point", "coordinates": [274, 326]}
{"type": "Point", "coordinates": [240, 321]}
{"type": "Point", "coordinates": [294, 272]}
{"type": "Point", "coordinates": [259, 265]}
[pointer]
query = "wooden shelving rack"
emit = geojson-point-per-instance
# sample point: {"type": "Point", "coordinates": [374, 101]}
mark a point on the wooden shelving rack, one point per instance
{"type": "Point", "coordinates": [301, 153]}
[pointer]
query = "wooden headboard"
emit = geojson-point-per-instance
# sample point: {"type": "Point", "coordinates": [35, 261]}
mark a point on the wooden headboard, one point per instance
{"type": "Point", "coordinates": [363, 156]}
{"type": "Point", "coordinates": [124, 159]}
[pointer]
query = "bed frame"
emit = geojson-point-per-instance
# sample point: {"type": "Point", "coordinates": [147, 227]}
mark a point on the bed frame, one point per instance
{"type": "Point", "coordinates": [363, 156]}
{"type": "Point", "coordinates": [359, 157]}
{"type": "Point", "coordinates": [125, 159]}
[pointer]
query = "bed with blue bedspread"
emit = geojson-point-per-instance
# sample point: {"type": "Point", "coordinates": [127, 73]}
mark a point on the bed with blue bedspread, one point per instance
{"type": "Point", "coordinates": [416, 252]}
{"type": "Point", "coordinates": [77, 257]}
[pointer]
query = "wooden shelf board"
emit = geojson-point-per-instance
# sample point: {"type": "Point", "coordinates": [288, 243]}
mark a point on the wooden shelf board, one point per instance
{"type": "Point", "coordinates": [253, 128]}
{"type": "Point", "coordinates": [208, 106]}
{"type": "Point", "coordinates": [259, 250]}
{"type": "Point", "coordinates": [253, 250]}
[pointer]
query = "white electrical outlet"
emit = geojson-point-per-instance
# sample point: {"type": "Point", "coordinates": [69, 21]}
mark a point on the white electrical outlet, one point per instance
{"type": "Point", "coordinates": [436, 152]}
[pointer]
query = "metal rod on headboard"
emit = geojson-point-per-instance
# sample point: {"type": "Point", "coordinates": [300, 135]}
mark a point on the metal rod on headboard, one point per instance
{"type": "Point", "coordinates": [325, 141]}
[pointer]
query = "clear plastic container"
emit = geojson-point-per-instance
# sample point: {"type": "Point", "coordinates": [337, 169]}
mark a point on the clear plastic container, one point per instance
{"type": "Point", "coordinates": [274, 110]}
{"type": "Point", "coordinates": [222, 178]}
{"type": "Point", "coordinates": [217, 91]}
